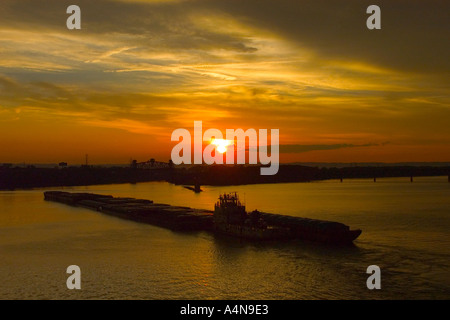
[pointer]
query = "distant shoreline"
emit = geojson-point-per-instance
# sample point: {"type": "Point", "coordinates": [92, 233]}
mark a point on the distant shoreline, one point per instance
{"type": "Point", "coordinates": [13, 178]}
{"type": "Point", "coordinates": [304, 164]}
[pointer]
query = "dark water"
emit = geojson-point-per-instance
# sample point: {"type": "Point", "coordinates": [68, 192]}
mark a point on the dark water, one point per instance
{"type": "Point", "coordinates": [406, 232]}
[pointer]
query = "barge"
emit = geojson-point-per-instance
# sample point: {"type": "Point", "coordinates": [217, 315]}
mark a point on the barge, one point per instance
{"type": "Point", "coordinates": [229, 217]}
{"type": "Point", "coordinates": [140, 210]}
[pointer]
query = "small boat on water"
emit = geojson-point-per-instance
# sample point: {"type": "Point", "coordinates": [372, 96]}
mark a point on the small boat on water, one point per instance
{"type": "Point", "coordinates": [196, 188]}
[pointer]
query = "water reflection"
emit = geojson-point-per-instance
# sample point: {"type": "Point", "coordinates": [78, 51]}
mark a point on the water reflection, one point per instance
{"type": "Point", "coordinates": [405, 231]}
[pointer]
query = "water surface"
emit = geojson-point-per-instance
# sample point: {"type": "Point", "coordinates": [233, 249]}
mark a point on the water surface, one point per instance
{"type": "Point", "coordinates": [406, 232]}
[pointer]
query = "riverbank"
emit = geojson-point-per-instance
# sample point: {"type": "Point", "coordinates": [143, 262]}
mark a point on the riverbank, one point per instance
{"type": "Point", "coordinates": [12, 178]}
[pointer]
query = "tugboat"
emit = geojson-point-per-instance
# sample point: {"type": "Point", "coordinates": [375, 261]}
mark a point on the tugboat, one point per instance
{"type": "Point", "coordinates": [230, 218]}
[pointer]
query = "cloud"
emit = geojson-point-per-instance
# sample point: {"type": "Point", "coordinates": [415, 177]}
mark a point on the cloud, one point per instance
{"type": "Point", "coordinates": [162, 24]}
{"type": "Point", "coordinates": [309, 68]}
{"type": "Point", "coordinates": [411, 37]}
{"type": "Point", "coordinates": [298, 148]}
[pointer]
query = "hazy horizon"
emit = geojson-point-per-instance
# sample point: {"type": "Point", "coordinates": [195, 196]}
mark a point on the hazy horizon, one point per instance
{"type": "Point", "coordinates": [325, 164]}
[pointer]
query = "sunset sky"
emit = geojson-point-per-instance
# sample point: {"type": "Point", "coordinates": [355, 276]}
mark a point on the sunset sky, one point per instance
{"type": "Point", "coordinates": [137, 70]}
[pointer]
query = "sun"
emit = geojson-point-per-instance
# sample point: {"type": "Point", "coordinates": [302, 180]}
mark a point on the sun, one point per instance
{"type": "Point", "coordinates": [221, 144]}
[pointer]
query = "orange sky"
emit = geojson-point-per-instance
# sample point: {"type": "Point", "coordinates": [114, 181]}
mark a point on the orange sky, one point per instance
{"type": "Point", "coordinates": [138, 70]}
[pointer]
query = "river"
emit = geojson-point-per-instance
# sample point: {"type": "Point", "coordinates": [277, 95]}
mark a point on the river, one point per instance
{"type": "Point", "coordinates": [406, 232]}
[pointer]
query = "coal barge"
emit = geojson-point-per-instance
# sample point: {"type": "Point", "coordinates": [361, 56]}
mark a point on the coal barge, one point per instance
{"type": "Point", "coordinates": [229, 217]}
{"type": "Point", "coordinates": [140, 210]}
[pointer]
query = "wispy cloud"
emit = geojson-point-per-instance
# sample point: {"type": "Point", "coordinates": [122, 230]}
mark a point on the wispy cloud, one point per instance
{"type": "Point", "coordinates": [308, 68]}
{"type": "Point", "coordinates": [298, 148]}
